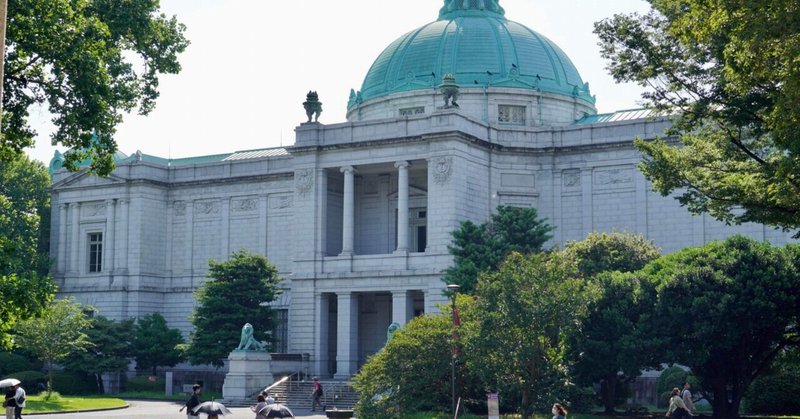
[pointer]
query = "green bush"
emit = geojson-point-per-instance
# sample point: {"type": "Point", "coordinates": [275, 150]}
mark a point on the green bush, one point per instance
{"type": "Point", "coordinates": [143, 383]}
{"type": "Point", "coordinates": [74, 383]}
{"type": "Point", "coordinates": [32, 381]}
{"type": "Point", "coordinates": [11, 362]}
{"type": "Point", "coordinates": [580, 399]}
{"type": "Point", "coordinates": [774, 394]}
{"type": "Point", "coordinates": [670, 378]}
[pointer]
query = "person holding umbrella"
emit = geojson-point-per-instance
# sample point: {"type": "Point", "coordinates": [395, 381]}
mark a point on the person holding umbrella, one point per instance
{"type": "Point", "coordinates": [19, 398]}
{"type": "Point", "coordinates": [10, 403]}
{"type": "Point", "coordinates": [193, 402]}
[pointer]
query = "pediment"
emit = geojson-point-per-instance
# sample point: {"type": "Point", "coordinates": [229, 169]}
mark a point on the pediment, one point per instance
{"type": "Point", "coordinates": [412, 191]}
{"type": "Point", "coordinates": [85, 179]}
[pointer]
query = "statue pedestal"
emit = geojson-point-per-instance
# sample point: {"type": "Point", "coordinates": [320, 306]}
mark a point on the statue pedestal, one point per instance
{"type": "Point", "coordinates": [248, 373]}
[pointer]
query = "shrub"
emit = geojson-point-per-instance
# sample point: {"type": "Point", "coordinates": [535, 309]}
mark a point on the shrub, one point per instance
{"type": "Point", "coordinates": [670, 378]}
{"type": "Point", "coordinates": [74, 383]}
{"type": "Point", "coordinates": [32, 381]}
{"type": "Point", "coordinates": [774, 394]}
{"type": "Point", "coordinates": [143, 383]}
{"type": "Point", "coordinates": [11, 362]}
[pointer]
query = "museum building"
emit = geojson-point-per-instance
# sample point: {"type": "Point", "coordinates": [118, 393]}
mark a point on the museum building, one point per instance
{"type": "Point", "coordinates": [453, 119]}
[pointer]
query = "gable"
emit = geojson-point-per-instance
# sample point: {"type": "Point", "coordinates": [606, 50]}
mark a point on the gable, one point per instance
{"type": "Point", "coordinates": [83, 179]}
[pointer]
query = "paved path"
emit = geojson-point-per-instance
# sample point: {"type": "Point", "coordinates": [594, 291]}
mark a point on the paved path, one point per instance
{"type": "Point", "coordinates": [161, 410]}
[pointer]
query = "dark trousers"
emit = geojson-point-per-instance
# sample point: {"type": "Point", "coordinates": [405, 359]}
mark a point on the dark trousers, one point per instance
{"type": "Point", "coordinates": [17, 412]}
{"type": "Point", "coordinates": [315, 402]}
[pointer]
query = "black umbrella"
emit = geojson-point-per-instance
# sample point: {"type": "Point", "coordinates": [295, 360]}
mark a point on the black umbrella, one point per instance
{"type": "Point", "coordinates": [276, 410]}
{"type": "Point", "coordinates": [211, 408]}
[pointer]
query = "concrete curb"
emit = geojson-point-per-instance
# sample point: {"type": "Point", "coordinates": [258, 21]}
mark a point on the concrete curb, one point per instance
{"type": "Point", "coordinates": [127, 405]}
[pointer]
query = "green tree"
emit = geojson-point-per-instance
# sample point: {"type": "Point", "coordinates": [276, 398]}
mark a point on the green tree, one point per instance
{"type": "Point", "coordinates": [155, 344]}
{"type": "Point", "coordinates": [57, 332]}
{"type": "Point", "coordinates": [742, 297]}
{"type": "Point", "coordinates": [412, 373]}
{"type": "Point", "coordinates": [88, 61]}
{"type": "Point", "coordinates": [110, 350]}
{"type": "Point", "coordinates": [25, 287]}
{"type": "Point", "coordinates": [605, 347]}
{"type": "Point", "coordinates": [235, 295]}
{"type": "Point", "coordinates": [516, 345]}
{"type": "Point", "coordinates": [481, 248]}
{"type": "Point", "coordinates": [727, 70]}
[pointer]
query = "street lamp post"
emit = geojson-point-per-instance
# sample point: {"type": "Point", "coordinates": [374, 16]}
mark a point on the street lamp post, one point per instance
{"type": "Point", "coordinates": [453, 288]}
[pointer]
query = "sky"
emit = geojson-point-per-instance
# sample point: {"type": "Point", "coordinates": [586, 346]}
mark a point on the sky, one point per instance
{"type": "Point", "coordinates": [251, 63]}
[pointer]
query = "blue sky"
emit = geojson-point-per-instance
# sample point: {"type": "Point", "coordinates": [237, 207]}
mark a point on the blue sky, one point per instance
{"type": "Point", "coordinates": [251, 63]}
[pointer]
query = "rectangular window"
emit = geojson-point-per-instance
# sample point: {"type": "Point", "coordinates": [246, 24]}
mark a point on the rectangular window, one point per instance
{"type": "Point", "coordinates": [280, 331]}
{"type": "Point", "coordinates": [419, 110]}
{"type": "Point", "coordinates": [95, 252]}
{"type": "Point", "coordinates": [510, 114]}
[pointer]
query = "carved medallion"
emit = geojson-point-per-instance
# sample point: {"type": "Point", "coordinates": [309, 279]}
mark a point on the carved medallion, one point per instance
{"type": "Point", "coordinates": [442, 169]}
{"type": "Point", "coordinates": [571, 178]}
{"type": "Point", "coordinates": [281, 201]}
{"type": "Point", "coordinates": [206, 207]}
{"type": "Point", "coordinates": [180, 208]}
{"type": "Point", "coordinates": [304, 180]}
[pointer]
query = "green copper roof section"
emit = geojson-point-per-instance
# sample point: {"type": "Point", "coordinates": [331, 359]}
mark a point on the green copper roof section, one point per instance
{"type": "Point", "coordinates": [476, 43]}
{"type": "Point", "coordinates": [458, 8]}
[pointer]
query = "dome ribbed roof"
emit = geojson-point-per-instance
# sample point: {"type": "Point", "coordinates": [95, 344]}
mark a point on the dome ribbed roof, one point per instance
{"type": "Point", "coordinates": [475, 42]}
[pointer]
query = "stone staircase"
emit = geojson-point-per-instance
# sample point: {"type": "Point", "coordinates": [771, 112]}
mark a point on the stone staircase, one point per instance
{"type": "Point", "coordinates": [297, 394]}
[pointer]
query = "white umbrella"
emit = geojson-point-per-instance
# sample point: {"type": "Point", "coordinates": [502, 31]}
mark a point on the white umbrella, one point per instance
{"type": "Point", "coordinates": [9, 382]}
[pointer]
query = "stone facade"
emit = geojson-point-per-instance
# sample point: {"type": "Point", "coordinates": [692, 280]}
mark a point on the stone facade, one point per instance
{"type": "Point", "coordinates": [328, 210]}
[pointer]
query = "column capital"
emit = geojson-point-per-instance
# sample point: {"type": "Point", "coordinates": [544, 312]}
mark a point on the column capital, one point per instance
{"type": "Point", "coordinates": [347, 169]}
{"type": "Point", "coordinates": [110, 202]}
{"type": "Point", "coordinates": [74, 204]}
{"type": "Point", "coordinates": [63, 206]}
{"type": "Point", "coordinates": [124, 201]}
{"type": "Point", "coordinates": [401, 164]}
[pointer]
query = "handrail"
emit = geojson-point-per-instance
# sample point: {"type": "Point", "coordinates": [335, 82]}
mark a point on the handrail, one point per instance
{"type": "Point", "coordinates": [276, 383]}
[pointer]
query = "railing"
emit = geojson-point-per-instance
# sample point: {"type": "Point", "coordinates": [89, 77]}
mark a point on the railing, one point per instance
{"type": "Point", "coordinates": [297, 374]}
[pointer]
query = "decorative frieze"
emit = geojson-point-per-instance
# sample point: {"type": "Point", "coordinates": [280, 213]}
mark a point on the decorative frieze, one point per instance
{"type": "Point", "coordinates": [614, 177]}
{"type": "Point", "coordinates": [94, 209]}
{"type": "Point", "coordinates": [244, 205]}
{"type": "Point", "coordinates": [207, 208]}
{"type": "Point", "coordinates": [280, 201]}
{"type": "Point", "coordinates": [441, 169]}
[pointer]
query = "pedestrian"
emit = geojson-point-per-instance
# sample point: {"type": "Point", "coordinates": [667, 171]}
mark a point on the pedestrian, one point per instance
{"type": "Point", "coordinates": [9, 403]}
{"type": "Point", "coordinates": [259, 408]}
{"type": "Point", "coordinates": [559, 412]}
{"type": "Point", "coordinates": [316, 393]}
{"type": "Point", "coordinates": [686, 395]}
{"type": "Point", "coordinates": [677, 409]}
{"type": "Point", "coordinates": [193, 402]}
{"type": "Point", "coordinates": [269, 399]}
{"type": "Point", "coordinates": [19, 399]}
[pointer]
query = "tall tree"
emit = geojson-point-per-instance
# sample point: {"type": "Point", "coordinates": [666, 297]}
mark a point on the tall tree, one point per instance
{"type": "Point", "coordinates": [88, 61]}
{"type": "Point", "coordinates": [516, 345]}
{"type": "Point", "coordinates": [605, 347]}
{"type": "Point", "coordinates": [236, 294]}
{"type": "Point", "coordinates": [481, 247]}
{"type": "Point", "coordinates": [57, 332]}
{"type": "Point", "coordinates": [25, 286]}
{"type": "Point", "coordinates": [155, 344]}
{"type": "Point", "coordinates": [727, 70]}
{"type": "Point", "coordinates": [110, 350]}
{"type": "Point", "coordinates": [743, 299]}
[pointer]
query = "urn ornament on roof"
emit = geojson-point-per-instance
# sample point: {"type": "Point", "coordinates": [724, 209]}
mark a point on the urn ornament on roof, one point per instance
{"type": "Point", "coordinates": [312, 106]}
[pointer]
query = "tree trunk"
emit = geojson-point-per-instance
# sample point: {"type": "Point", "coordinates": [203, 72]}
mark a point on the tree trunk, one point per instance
{"type": "Point", "coordinates": [49, 366]}
{"type": "Point", "coordinates": [723, 409]}
{"type": "Point", "coordinates": [610, 395]}
{"type": "Point", "coordinates": [525, 402]}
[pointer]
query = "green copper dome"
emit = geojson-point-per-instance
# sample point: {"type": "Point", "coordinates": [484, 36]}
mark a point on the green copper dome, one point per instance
{"type": "Point", "coordinates": [474, 41]}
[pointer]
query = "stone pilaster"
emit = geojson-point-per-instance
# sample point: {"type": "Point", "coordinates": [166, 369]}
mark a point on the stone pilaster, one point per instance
{"type": "Point", "coordinates": [402, 206]}
{"type": "Point", "coordinates": [110, 247]}
{"type": "Point", "coordinates": [348, 211]}
{"type": "Point", "coordinates": [124, 232]}
{"type": "Point", "coordinates": [75, 235]}
{"type": "Point", "coordinates": [61, 258]}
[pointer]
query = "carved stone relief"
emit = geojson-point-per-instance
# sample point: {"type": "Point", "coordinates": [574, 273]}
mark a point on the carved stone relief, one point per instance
{"type": "Point", "coordinates": [94, 210]}
{"type": "Point", "coordinates": [571, 178]}
{"type": "Point", "coordinates": [244, 205]}
{"type": "Point", "coordinates": [441, 169]}
{"type": "Point", "coordinates": [614, 176]}
{"type": "Point", "coordinates": [304, 181]}
{"type": "Point", "coordinates": [280, 201]}
{"type": "Point", "coordinates": [180, 208]}
{"type": "Point", "coordinates": [206, 207]}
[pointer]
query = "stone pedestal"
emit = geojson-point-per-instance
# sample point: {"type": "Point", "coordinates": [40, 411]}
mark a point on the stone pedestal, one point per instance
{"type": "Point", "coordinates": [248, 373]}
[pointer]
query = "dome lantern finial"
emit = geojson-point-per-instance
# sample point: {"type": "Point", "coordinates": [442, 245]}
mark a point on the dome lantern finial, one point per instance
{"type": "Point", "coordinates": [455, 8]}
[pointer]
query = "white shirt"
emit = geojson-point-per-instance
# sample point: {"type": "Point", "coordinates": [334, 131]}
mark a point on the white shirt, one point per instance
{"type": "Point", "coordinates": [19, 394]}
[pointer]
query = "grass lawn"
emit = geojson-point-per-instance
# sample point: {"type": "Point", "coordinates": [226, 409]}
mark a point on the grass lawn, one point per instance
{"type": "Point", "coordinates": [37, 404]}
{"type": "Point", "coordinates": [159, 395]}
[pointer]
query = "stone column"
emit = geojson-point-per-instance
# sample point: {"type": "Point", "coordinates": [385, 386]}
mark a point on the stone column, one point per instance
{"type": "Point", "coordinates": [75, 243]}
{"type": "Point", "coordinates": [402, 206]}
{"type": "Point", "coordinates": [348, 211]}
{"type": "Point", "coordinates": [321, 302]}
{"type": "Point", "coordinates": [322, 215]}
{"type": "Point", "coordinates": [263, 223]}
{"type": "Point", "coordinates": [61, 262]}
{"type": "Point", "coordinates": [108, 251]}
{"type": "Point", "coordinates": [124, 205]}
{"type": "Point", "coordinates": [189, 236]}
{"type": "Point", "coordinates": [586, 201]}
{"type": "Point", "coordinates": [401, 307]}
{"type": "Point", "coordinates": [346, 335]}
{"type": "Point", "coordinates": [170, 240]}
{"type": "Point", "coordinates": [226, 227]}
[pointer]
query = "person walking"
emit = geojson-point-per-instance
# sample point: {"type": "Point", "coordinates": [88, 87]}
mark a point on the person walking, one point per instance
{"type": "Point", "coordinates": [193, 402]}
{"type": "Point", "coordinates": [260, 406]}
{"type": "Point", "coordinates": [316, 394]}
{"type": "Point", "coordinates": [19, 399]}
{"type": "Point", "coordinates": [10, 403]}
{"type": "Point", "coordinates": [559, 412]}
{"type": "Point", "coordinates": [686, 395]}
{"type": "Point", "coordinates": [677, 409]}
